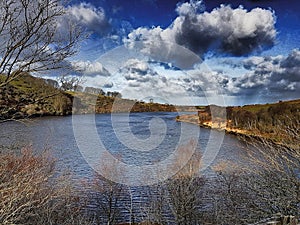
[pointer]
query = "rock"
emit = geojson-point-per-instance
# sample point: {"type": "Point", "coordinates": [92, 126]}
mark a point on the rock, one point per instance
{"type": "Point", "coordinates": [18, 115]}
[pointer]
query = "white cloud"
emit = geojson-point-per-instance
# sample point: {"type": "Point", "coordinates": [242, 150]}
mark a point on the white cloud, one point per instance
{"type": "Point", "coordinates": [190, 8]}
{"type": "Point", "coordinates": [274, 76]}
{"type": "Point", "coordinates": [160, 45]}
{"type": "Point", "coordinates": [137, 71]}
{"type": "Point", "coordinates": [137, 66]}
{"type": "Point", "coordinates": [99, 82]}
{"type": "Point", "coordinates": [91, 18]}
{"type": "Point", "coordinates": [293, 60]}
{"type": "Point", "coordinates": [90, 68]}
{"type": "Point", "coordinates": [266, 79]}
{"type": "Point", "coordinates": [140, 79]}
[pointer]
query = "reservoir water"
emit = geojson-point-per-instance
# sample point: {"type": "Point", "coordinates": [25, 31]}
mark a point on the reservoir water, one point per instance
{"type": "Point", "coordinates": [136, 139]}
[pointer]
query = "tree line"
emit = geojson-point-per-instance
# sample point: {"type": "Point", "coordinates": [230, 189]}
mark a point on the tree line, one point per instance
{"type": "Point", "coordinates": [265, 118]}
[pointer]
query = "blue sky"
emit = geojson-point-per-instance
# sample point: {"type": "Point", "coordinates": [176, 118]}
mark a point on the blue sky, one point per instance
{"type": "Point", "coordinates": [191, 52]}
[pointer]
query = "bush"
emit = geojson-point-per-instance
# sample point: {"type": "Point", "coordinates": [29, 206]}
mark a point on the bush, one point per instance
{"type": "Point", "coordinates": [30, 194]}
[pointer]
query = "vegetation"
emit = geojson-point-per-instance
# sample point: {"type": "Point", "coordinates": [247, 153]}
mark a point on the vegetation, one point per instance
{"type": "Point", "coordinates": [266, 120]}
{"type": "Point", "coordinates": [268, 184]}
{"type": "Point", "coordinates": [268, 181]}
{"type": "Point", "coordinates": [264, 117]}
{"type": "Point", "coordinates": [27, 96]}
{"type": "Point", "coordinates": [93, 103]}
{"type": "Point", "coordinates": [29, 194]}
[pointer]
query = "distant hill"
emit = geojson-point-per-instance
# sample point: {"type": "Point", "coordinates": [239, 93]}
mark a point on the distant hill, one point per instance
{"type": "Point", "coordinates": [30, 96]}
{"type": "Point", "coordinates": [91, 103]}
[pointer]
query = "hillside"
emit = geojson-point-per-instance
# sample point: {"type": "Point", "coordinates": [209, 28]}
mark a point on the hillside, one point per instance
{"type": "Point", "coordinates": [91, 103]}
{"type": "Point", "coordinates": [29, 96]}
{"type": "Point", "coordinates": [267, 120]}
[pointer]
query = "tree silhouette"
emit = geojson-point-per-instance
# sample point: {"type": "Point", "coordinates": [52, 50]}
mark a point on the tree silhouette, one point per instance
{"type": "Point", "coordinates": [35, 36]}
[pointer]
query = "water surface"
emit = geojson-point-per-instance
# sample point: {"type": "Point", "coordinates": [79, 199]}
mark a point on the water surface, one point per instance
{"type": "Point", "coordinates": [57, 135]}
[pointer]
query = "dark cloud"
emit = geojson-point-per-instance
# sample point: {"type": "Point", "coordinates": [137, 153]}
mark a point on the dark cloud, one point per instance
{"type": "Point", "coordinates": [274, 76]}
{"type": "Point", "coordinates": [108, 85]}
{"type": "Point", "coordinates": [167, 66]}
{"type": "Point", "coordinates": [203, 83]}
{"type": "Point", "coordinates": [268, 78]}
{"type": "Point", "coordinates": [156, 44]}
{"type": "Point", "coordinates": [234, 31]}
{"type": "Point", "coordinates": [292, 61]}
{"type": "Point", "coordinates": [232, 63]}
{"type": "Point", "coordinates": [224, 30]}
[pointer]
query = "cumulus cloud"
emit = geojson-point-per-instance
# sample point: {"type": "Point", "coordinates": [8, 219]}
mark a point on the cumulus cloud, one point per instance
{"type": "Point", "coordinates": [225, 30]}
{"type": "Point", "coordinates": [90, 17]}
{"type": "Point", "coordinates": [267, 78]}
{"type": "Point", "coordinates": [167, 66]}
{"type": "Point", "coordinates": [292, 61]}
{"type": "Point", "coordinates": [190, 8]}
{"type": "Point", "coordinates": [143, 79]}
{"type": "Point", "coordinates": [136, 71]}
{"type": "Point", "coordinates": [99, 82]}
{"type": "Point", "coordinates": [90, 68]}
{"type": "Point", "coordinates": [275, 76]}
{"type": "Point", "coordinates": [108, 84]}
{"type": "Point", "coordinates": [160, 45]}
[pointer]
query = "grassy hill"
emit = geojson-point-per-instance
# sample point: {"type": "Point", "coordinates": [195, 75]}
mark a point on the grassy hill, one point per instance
{"type": "Point", "coordinates": [264, 117]}
{"type": "Point", "coordinates": [91, 103]}
{"type": "Point", "coordinates": [29, 96]}
{"type": "Point", "coordinates": [271, 121]}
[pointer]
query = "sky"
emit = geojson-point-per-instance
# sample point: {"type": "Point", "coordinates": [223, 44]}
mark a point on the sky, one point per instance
{"type": "Point", "coordinates": [191, 52]}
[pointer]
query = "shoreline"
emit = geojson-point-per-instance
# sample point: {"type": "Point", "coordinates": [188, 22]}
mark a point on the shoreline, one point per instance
{"type": "Point", "coordinates": [38, 116]}
{"type": "Point", "coordinates": [244, 134]}
{"type": "Point", "coordinates": [194, 119]}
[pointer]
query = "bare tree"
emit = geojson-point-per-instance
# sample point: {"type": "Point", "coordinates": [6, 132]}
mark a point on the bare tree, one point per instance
{"type": "Point", "coordinates": [231, 198]}
{"type": "Point", "coordinates": [178, 199]}
{"type": "Point", "coordinates": [35, 36]}
{"type": "Point", "coordinates": [269, 184]}
{"type": "Point", "coordinates": [69, 83]}
{"type": "Point", "coordinates": [107, 197]}
{"type": "Point", "coordinates": [277, 165]}
{"type": "Point", "coordinates": [184, 189]}
{"type": "Point", "coordinates": [29, 194]}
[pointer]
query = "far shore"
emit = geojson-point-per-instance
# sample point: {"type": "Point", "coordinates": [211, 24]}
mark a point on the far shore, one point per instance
{"type": "Point", "coordinates": [194, 119]}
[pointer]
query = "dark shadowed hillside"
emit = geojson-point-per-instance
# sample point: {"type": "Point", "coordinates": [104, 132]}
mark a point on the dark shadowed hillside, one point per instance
{"type": "Point", "coordinates": [28, 96]}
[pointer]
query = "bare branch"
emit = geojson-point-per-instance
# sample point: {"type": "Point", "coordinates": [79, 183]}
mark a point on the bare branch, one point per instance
{"type": "Point", "coordinates": [32, 37]}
